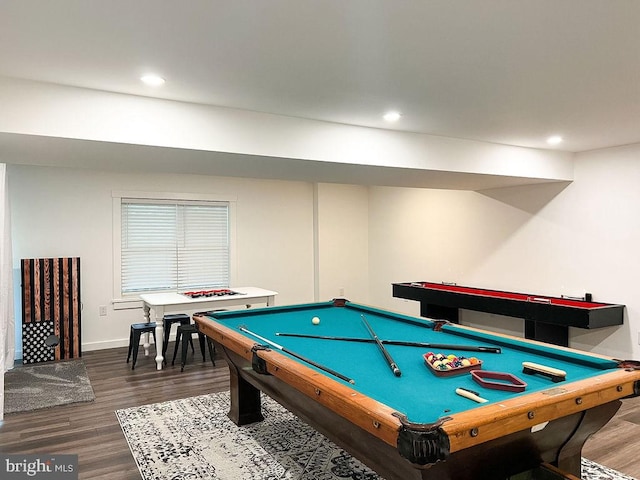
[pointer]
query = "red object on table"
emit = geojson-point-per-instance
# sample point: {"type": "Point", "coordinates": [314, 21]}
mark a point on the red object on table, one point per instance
{"type": "Point", "coordinates": [508, 382]}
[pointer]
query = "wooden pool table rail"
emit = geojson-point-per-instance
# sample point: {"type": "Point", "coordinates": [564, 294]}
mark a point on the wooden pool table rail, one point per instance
{"type": "Point", "coordinates": [523, 412]}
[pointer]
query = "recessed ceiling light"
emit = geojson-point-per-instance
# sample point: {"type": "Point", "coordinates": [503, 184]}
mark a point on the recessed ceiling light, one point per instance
{"type": "Point", "coordinates": [152, 80]}
{"type": "Point", "coordinates": [554, 140]}
{"type": "Point", "coordinates": [392, 116]}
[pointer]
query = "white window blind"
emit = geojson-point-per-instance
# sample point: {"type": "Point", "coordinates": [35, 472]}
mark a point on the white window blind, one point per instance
{"type": "Point", "coordinates": [174, 246]}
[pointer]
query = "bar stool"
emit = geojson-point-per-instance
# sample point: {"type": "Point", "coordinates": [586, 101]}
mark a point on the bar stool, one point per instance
{"type": "Point", "coordinates": [168, 321]}
{"type": "Point", "coordinates": [186, 332]}
{"type": "Point", "coordinates": [137, 329]}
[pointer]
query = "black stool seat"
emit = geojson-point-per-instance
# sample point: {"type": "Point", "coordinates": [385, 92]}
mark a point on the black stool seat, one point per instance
{"type": "Point", "coordinates": [168, 321]}
{"type": "Point", "coordinates": [185, 332]}
{"type": "Point", "coordinates": [137, 329]}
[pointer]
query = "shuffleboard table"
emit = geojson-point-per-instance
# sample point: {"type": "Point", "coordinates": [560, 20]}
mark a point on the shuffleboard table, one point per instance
{"type": "Point", "coordinates": [414, 423]}
{"type": "Point", "coordinates": [546, 318]}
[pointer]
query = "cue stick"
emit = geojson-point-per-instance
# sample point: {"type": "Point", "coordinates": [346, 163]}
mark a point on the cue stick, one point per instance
{"type": "Point", "coordinates": [402, 343]}
{"type": "Point", "coordinates": [392, 364]}
{"type": "Point", "coordinates": [299, 357]}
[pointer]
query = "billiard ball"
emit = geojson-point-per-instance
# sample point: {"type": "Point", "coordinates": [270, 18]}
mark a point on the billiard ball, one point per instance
{"type": "Point", "coordinates": [315, 320]}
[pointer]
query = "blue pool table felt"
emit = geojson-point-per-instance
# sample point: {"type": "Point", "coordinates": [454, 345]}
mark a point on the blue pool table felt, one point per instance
{"type": "Point", "coordinates": [418, 393]}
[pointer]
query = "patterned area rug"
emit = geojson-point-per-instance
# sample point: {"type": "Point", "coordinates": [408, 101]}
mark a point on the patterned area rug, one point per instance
{"type": "Point", "coordinates": [193, 439]}
{"type": "Point", "coordinates": [31, 387]}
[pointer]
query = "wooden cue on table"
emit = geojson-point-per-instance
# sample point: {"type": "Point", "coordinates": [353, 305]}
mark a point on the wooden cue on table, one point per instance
{"type": "Point", "coordinates": [392, 364]}
{"type": "Point", "coordinates": [299, 357]}
{"type": "Point", "coordinates": [402, 343]}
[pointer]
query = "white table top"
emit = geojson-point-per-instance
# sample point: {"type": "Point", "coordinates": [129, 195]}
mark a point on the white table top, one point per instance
{"type": "Point", "coordinates": [172, 298]}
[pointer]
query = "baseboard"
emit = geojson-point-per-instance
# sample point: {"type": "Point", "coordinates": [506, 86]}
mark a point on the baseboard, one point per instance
{"type": "Point", "coordinates": [103, 345]}
{"type": "Point", "coordinates": [123, 342]}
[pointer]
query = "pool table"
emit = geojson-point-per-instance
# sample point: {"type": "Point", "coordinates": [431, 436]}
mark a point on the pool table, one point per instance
{"type": "Point", "coordinates": [414, 425]}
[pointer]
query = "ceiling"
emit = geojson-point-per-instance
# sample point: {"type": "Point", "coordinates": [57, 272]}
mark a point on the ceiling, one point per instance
{"type": "Point", "coordinates": [500, 71]}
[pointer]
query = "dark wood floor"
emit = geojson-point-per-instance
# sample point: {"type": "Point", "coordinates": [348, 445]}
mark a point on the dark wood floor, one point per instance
{"type": "Point", "coordinates": [92, 431]}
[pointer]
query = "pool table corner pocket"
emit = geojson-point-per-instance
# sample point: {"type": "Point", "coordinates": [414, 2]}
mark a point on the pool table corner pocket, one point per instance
{"type": "Point", "coordinates": [258, 364]}
{"type": "Point", "coordinates": [422, 444]}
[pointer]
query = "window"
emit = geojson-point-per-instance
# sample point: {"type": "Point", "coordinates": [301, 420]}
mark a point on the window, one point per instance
{"type": "Point", "coordinates": [171, 245]}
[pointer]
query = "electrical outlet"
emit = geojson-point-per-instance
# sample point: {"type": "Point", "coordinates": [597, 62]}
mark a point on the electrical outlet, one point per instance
{"type": "Point", "coordinates": [341, 291]}
{"type": "Point", "coordinates": [102, 310]}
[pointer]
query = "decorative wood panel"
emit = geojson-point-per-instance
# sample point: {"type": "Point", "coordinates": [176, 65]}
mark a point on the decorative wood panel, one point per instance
{"type": "Point", "coordinates": [51, 306]}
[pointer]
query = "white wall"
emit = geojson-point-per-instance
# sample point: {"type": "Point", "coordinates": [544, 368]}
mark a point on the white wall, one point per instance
{"type": "Point", "coordinates": [68, 212]}
{"type": "Point", "coordinates": [342, 241]}
{"type": "Point", "coordinates": [544, 239]}
{"type": "Point", "coordinates": [548, 239]}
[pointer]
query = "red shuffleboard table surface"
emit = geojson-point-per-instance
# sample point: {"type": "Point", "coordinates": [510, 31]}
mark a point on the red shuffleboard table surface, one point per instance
{"type": "Point", "coordinates": [546, 318]}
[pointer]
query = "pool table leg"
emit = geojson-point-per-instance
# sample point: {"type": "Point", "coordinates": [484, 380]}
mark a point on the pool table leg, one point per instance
{"type": "Point", "coordinates": [246, 406]}
{"type": "Point", "coordinates": [570, 455]}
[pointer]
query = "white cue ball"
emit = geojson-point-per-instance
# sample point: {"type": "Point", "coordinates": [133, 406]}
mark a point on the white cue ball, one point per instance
{"type": "Point", "coordinates": [315, 320]}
